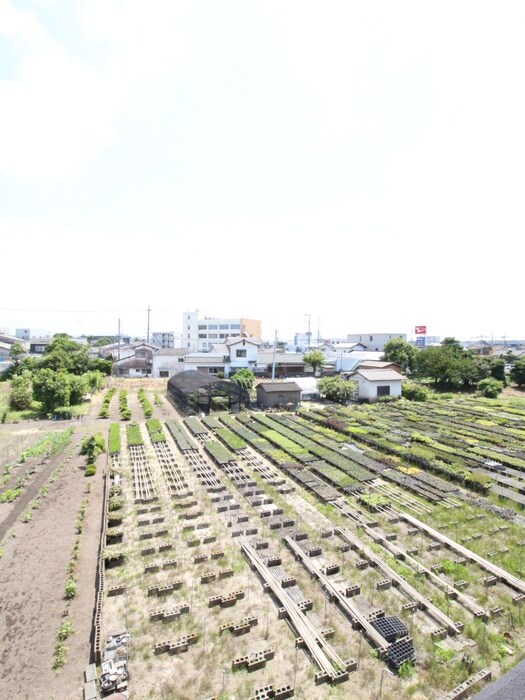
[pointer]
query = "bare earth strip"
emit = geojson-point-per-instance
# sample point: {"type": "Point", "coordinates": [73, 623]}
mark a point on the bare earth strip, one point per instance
{"type": "Point", "coordinates": [33, 574]}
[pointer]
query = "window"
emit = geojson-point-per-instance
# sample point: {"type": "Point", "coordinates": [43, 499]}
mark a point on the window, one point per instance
{"type": "Point", "coordinates": [213, 327]}
{"type": "Point", "coordinates": [223, 335]}
{"type": "Point", "coordinates": [188, 339]}
{"type": "Point", "coordinates": [189, 328]}
{"type": "Point", "coordinates": [236, 326]}
{"type": "Point", "coordinates": [203, 327]}
{"type": "Point", "coordinates": [383, 390]}
{"type": "Point", "coordinates": [224, 326]}
{"type": "Point", "coordinates": [164, 373]}
{"type": "Point", "coordinates": [212, 335]}
{"type": "Point", "coordinates": [181, 359]}
{"type": "Point", "coordinates": [371, 338]}
{"type": "Point", "coordinates": [140, 353]}
{"type": "Point", "coordinates": [240, 353]}
{"type": "Point", "coordinates": [203, 335]}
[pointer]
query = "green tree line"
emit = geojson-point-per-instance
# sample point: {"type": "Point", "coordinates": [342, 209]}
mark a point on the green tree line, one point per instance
{"type": "Point", "coordinates": [61, 377]}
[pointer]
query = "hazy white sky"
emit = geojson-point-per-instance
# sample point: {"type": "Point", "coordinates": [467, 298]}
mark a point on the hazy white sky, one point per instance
{"type": "Point", "coordinates": [361, 162]}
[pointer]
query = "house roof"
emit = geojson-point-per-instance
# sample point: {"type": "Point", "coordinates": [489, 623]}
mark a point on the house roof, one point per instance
{"type": "Point", "coordinates": [278, 387]}
{"type": "Point", "coordinates": [283, 358]}
{"type": "Point", "coordinates": [347, 346]}
{"type": "Point", "coordinates": [133, 362]}
{"type": "Point", "coordinates": [242, 339]}
{"type": "Point", "coordinates": [379, 375]}
{"type": "Point", "coordinates": [177, 352]}
{"type": "Point", "coordinates": [375, 364]}
{"type": "Point", "coordinates": [204, 358]}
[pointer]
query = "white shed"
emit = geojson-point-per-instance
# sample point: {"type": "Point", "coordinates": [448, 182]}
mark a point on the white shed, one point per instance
{"type": "Point", "coordinates": [375, 383]}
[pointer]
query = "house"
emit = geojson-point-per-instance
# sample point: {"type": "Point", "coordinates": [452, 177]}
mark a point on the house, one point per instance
{"type": "Point", "coordinates": [206, 362]}
{"type": "Point", "coordinates": [5, 355]}
{"type": "Point", "coordinates": [243, 354]}
{"type": "Point", "coordinates": [287, 364]}
{"type": "Point", "coordinates": [136, 362]}
{"type": "Point", "coordinates": [167, 362]}
{"type": "Point", "coordinates": [376, 383]}
{"type": "Point", "coordinates": [37, 346]}
{"type": "Point", "coordinates": [374, 341]}
{"type": "Point", "coordinates": [278, 394]}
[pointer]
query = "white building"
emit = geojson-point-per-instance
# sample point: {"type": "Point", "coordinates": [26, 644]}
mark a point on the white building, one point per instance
{"type": "Point", "coordinates": [167, 362]}
{"type": "Point", "coordinates": [243, 353]}
{"type": "Point", "coordinates": [374, 342]}
{"type": "Point", "coordinates": [163, 339]}
{"type": "Point", "coordinates": [375, 383]}
{"type": "Point", "coordinates": [201, 334]}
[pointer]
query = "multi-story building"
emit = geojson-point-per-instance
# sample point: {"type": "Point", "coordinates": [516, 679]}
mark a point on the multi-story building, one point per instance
{"type": "Point", "coordinates": [163, 340]}
{"type": "Point", "coordinates": [374, 342]}
{"type": "Point", "coordinates": [200, 334]}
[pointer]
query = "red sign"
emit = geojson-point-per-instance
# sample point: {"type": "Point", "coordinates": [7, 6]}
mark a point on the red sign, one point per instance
{"type": "Point", "coordinates": [421, 330]}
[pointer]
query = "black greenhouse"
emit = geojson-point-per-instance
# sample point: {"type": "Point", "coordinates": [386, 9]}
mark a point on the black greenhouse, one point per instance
{"type": "Point", "coordinates": [193, 391]}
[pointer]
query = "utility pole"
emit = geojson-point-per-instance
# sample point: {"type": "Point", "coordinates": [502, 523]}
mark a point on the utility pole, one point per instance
{"type": "Point", "coordinates": [149, 312]}
{"type": "Point", "coordinates": [274, 351]}
{"type": "Point", "coordinates": [118, 355]}
{"type": "Point", "coordinates": [309, 333]}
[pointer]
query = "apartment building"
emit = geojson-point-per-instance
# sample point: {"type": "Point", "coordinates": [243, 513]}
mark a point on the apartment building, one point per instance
{"type": "Point", "coordinates": [200, 334]}
{"type": "Point", "coordinates": [163, 340]}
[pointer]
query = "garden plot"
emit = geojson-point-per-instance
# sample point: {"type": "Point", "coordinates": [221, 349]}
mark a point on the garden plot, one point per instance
{"type": "Point", "coordinates": [231, 650]}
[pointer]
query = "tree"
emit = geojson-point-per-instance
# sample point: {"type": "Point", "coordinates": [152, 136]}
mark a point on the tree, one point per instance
{"type": "Point", "coordinates": [517, 373]}
{"type": "Point", "coordinates": [402, 353]}
{"type": "Point", "coordinates": [21, 391]}
{"type": "Point", "coordinates": [336, 388]}
{"type": "Point", "coordinates": [313, 359]}
{"type": "Point", "coordinates": [16, 353]}
{"type": "Point", "coordinates": [244, 378]}
{"type": "Point", "coordinates": [64, 354]}
{"type": "Point", "coordinates": [51, 389]}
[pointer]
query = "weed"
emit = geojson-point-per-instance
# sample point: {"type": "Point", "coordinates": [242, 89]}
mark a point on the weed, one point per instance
{"type": "Point", "coordinates": [71, 589]}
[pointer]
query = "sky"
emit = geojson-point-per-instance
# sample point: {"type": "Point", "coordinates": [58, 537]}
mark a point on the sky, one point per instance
{"type": "Point", "coordinates": [354, 166]}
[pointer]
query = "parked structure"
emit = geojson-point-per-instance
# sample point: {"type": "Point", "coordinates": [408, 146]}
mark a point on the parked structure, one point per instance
{"type": "Point", "coordinates": [201, 334]}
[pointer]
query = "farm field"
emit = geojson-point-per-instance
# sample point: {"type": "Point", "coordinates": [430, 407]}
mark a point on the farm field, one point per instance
{"type": "Point", "coordinates": [365, 551]}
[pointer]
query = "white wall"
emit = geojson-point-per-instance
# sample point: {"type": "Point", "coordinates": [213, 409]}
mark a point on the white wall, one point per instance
{"type": "Point", "coordinates": [368, 390]}
{"type": "Point", "coordinates": [374, 341]}
{"type": "Point", "coordinates": [169, 363]}
{"type": "Point", "coordinates": [247, 362]}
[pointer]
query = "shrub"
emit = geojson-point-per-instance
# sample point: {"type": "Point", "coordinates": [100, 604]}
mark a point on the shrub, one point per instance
{"type": "Point", "coordinates": [414, 392]}
{"type": "Point", "coordinates": [490, 388]}
{"type": "Point", "coordinates": [90, 470]}
{"type": "Point", "coordinates": [93, 446]}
